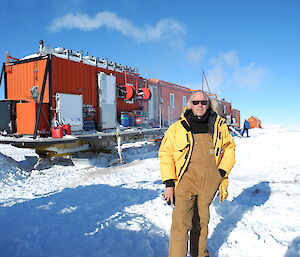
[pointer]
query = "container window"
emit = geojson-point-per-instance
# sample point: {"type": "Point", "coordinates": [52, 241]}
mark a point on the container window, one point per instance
{"type": "Point", "coordinates": [183, 101]}
{"type": "Point", "coordinates": [172, 103]}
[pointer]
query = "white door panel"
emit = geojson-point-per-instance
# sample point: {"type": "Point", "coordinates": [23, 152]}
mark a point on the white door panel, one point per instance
{"type": "Point", "coordinates": [107, 101]}
{"type": "Point", "coordinates": [69, 110]}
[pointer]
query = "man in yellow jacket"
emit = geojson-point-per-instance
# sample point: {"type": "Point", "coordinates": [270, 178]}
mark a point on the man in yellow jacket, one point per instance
{"type": "Point", "coordinates": [196, 155]}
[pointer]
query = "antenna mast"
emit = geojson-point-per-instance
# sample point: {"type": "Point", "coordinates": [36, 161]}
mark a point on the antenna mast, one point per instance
{"type": "Point", "coordinates": [204, 78]}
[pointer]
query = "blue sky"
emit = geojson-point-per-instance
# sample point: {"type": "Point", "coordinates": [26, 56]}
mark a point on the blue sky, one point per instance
{"type": "Point", "coordinates": [249, 50]}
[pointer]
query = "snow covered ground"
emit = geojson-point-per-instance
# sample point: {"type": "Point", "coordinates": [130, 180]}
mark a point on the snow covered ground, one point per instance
{"type": "Point", "coordinates": [114, 211]}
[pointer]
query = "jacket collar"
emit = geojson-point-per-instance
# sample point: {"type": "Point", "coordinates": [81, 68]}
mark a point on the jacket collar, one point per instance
{"type": "Point", "coordinates": [184, 121]}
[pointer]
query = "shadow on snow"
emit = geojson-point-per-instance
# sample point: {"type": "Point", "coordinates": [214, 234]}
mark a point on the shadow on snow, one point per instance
{"type": "Point", "coordinates": [294, 248]}
{"type": "Point", "coordinates": [85, 221]}
{"type": "Point", "coordinates": [233, 211]}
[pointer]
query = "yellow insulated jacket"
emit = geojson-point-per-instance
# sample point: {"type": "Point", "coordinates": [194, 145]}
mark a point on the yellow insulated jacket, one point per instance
{"type": "Point", "coordinates": [176, 150]}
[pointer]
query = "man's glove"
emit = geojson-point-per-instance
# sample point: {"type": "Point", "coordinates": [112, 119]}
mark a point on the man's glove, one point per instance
{"type": "Point", "coordinates": [170, 183]}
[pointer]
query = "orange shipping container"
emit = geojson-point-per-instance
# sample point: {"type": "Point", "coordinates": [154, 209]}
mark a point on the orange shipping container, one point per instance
{"type": "Point", "coordinates": [64, 76]}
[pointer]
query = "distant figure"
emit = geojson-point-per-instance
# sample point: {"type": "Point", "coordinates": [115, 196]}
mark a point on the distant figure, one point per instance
{"type": "Point", "coordinates": [246, 128]}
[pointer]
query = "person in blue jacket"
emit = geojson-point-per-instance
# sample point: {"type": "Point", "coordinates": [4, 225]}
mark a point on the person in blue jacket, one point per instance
{"type": "Point", "coordinates": [246, 128]}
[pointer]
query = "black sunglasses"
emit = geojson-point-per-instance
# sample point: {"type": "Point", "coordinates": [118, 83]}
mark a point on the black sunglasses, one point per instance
{"type": "Point", "coordinates": [203, 102]}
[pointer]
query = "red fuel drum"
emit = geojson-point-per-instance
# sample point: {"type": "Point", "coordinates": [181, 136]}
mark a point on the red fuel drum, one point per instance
{"type": "Point", "coordinates": [67, 129]}
{"type": "Point", "coordinates": [57, 132]}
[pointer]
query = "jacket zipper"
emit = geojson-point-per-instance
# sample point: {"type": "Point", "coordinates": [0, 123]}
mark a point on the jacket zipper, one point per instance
{"type": "Point", "coordinates": [186, 157]}
{"type": "Point", "coordinates": [217, 132]}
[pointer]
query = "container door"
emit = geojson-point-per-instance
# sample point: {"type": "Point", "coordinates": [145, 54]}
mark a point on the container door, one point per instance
{"type": "Point", "coordinates": [153, 106]}
{"type": "Point", "coordinates": [69, 110]}
{"type": "Point", "coordinates": [107, 101]}
{"type": "Point", "coordinates": [5, 117]}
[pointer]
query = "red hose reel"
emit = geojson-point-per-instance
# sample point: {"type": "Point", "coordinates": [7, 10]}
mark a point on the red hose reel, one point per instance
{"type": "Point", "coordinates": [129, 92]}
{"type": "Point", "coordinates": [144, 93]}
